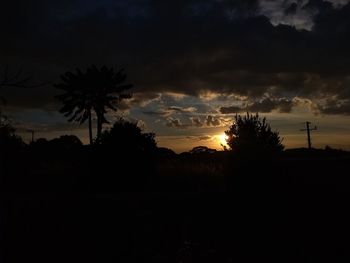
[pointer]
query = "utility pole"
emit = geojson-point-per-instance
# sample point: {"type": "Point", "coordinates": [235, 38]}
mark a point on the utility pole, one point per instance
{"type": "Point", "coordinates": [308, 130]}
{"type": "Point", "coordinates": [32, 132]}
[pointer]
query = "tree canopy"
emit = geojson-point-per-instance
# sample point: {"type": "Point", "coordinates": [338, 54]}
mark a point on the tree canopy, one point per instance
{"type": "Point", "coordinates": [94, 90]}
{"type": "Point", "coordinates": [252, 135]}
{"type": "Point", "coordinates": [128, 136]}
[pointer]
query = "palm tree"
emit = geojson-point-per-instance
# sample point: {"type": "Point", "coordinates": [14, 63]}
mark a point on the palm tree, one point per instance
{"type": "Point", "coordinates": [94, 90]}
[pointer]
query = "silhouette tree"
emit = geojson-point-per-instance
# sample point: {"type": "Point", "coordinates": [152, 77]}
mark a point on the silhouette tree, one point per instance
{"type": "Point", "coordinates": [94, 90]}
{"type": "Point", "coordinates": [126, 136]}
{"type": "Point", "coordinates": [8, 138]}
{"type": "Point", "coordinates": [252, 135]}
{"type": "Point", "coordinates": [41, 143]}
{"type": "Point", "coordinates": [201, 150]}
{"type": "Point", "coordinates": [66, 142]}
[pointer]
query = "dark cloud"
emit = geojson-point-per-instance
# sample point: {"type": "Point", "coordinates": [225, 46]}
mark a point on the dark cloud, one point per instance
{"type": "Point", "coordinates": [318, 6]}
{"type": "Point", "coordinates": [155, 113]}
{"type": "Point", "coordinates": [166, 111]}
{"type": "Point", "coordinates": [291, 9]}
{"type": "Point", "coordinates": [335, 107]}
{"type": "Point", "coordinates": [177, 123]}
{"type": "Point", "coordinates": [212, 121]}
{"type": "Point", "coordinates": [265, 105]}
{"type": "Point", "coordinates": [334, 23]}
{"type": "Point", "coordinates": [231, 109]}
{"type": "Point", "coordinates": [188, 47]}
{"type": "Point", "coordinates": [181, 109]}
{"type": "Point", "coordinates": [24, 127]}
{"type": "Point", "coordinates": [205, 138]}
{"type": "Point", "coordinates": [139, 99]}
{"type": "Point", "coordinates": [196, 122]}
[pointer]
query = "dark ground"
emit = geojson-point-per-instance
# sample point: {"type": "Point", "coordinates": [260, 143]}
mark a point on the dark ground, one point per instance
{"type": "Point", "coordinates": [88, 206]}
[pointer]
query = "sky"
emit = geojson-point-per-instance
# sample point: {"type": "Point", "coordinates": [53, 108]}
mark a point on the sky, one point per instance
{"type": "Point", "coordinates": [194, 64]}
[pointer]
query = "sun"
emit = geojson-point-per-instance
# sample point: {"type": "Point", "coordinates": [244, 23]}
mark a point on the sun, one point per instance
{"type": "Point", "coordinates": [221, 139]}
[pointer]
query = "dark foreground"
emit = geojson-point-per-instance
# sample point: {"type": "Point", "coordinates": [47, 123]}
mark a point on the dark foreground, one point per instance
{"type": "Point", "coordinates": [205, 208]}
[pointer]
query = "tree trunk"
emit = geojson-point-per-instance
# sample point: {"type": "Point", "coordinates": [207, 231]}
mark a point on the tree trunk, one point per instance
{"type": "Point", "coordinates": [90, 127]}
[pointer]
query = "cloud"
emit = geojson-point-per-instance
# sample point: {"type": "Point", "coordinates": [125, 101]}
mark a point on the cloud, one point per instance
{"type": "Point", "coordinates": [182, 109]}
{"type": "Point", "coordinates": [318, 6]}
{"type": "Point", "coordinates": [183, 47]}
{"type": "Point", "coordinates": [156, 113]}
{"type": "Point", "coordinates": [231, 109]}
{"type": "Point", "coordinates": [139, 99]}
{"type": "Point", "coordinates": [167, 111]}
{"type": "Point", "coordinates": [264, 105]}
{"type": "Point", "coordinates": [267, 105]}
{"type": "Point", "coordinates": [197, 122]}
{"type": "Point", "coordinates": [292, 9]}
{"type": "Point", "coordinates": [212, 121]}
{"type": "Point", "coordinates": [176, 123]}
{"type": "Point", "coordinates": [205, 138]}
{"type": "Point", "coordinates": [335, 106]}
{"type": "Point", "coordinates": [201, 138]}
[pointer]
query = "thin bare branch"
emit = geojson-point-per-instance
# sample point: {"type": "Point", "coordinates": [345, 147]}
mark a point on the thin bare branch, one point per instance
{"type": "Point", "coordinates": [16, 80]}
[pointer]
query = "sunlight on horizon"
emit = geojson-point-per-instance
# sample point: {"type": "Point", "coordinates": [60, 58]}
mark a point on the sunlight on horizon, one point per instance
{"type": "Point", "coordinates": [221, 139]}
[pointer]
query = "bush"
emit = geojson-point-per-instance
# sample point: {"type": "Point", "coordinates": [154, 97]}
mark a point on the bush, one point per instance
{"type": "Point", "coordinates": [251, 136]}
{"type": "Point", "coordinates": [127, 136]}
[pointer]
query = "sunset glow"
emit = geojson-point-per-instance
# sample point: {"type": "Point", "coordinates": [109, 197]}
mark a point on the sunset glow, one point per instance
{"type": "Point", "coordinates": [221, 139]}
